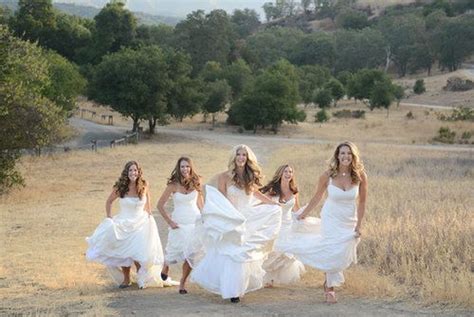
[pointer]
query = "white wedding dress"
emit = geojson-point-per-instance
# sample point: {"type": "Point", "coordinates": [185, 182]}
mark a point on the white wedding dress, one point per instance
{"type": "Point", "coordinates": [235, 234]}
{"type": "Point", "coordinates": [332, 248]}
{"type": "Point", "coordinates": [185, 214]}
{"type": "Point", "coordinates": [282, 267]}
{"type": "Point", "coordinates": [131, 235]}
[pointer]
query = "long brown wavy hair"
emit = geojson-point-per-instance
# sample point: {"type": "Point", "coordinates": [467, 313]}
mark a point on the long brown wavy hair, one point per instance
{"type": "Point", "coordinates": [273, 188]}
{"type": "Point", "coordinates": [357, 167]}
{"type": "Point", "coordinates": [191, 183]}
{"type": "Point", "coordinates": [121, 186]}
{"type": "Point", "coordinates": [252, 176]}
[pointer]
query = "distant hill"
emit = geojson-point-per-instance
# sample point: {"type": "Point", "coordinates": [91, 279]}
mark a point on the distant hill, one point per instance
{"type": "Point", "coordinates": [90, 12]}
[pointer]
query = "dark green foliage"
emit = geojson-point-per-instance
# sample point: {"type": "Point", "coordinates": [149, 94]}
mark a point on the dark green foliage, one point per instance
{"type": "Point", "coordinates": [218, 94]}
{"type": "Point", "coordinates": [28, 119]}
{"type": "Point", "coordinates": [359, 49]}
{"type": "Point", "coordinates": [238, 75]}
{"type": "Point", "coordinates": [321, 116]}
{"type": "Point", "coordinates": [419, 87]}
{"type": "Point", "coordinates": [445, 135]}
{"type": "Point", "coordinates": [271, 100]}
{"type": "Point", "coordinates": [458, 114]}
{"type": "Point", "coordinates": [245, 22]}
{"type": "Point", "coordinates": [336, 89]}
{"type": "Point", "coordinates": [322, 98]}
{"type": "Point", "coordinates": [398, 93]}
{"type": "Point", "coordinates": [346, 113]}
{"type": "Point", "coordinates": [206, 37]}
{"type": "Point", "coordinates": [134, 83]}
{"type": "Point", "coordinates": [266, 47]}
{"type": "Point", "coordinates": [314, 49]}
{"type": "Point", "coordinates": [349, 18]}
{"type": "Point", "coordinates": [311, 78]}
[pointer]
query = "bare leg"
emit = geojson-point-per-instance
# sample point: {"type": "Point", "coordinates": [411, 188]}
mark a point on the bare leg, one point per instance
{"type": "Point", "coordinates": [126, 277]}
{"type": "Point", "coordinates": [137, 265]}
{"type": "Point", "coordinates": [164, 272]}
{"type": "Point", "coordinates": [182, 283]}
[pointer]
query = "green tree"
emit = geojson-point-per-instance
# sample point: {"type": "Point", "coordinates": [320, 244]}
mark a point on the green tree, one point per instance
{"type": "Point", "coordinates": [186, 95]}
{"type": "Point", "coordinates": [206, 37]}
{"type": "Point", "coordinates": [398, 93]}
{"type": "Point", "coordinates": [315, 48]}
{"type": "Point", "coordinates": [135, 83]}
{"type": "Point", "coordinates": [322, 97]}
{"type": "Point", "coordinates": [362, 83]}
{"type": "Point", "coordinates": [359, 49]}
{"type": "Point", "coordinates": [266, 47]}
{"type": "Point", "coordinates": [218, 95]}
{"type": "Point", "coordinates": [238, 75]}
{"type": "Point", "coordinates": [212, 71]}
{"type": "Point", "coordinates": [115, 27]}
{"type": "Point", "coordinates": [349, 18]}
{"type": "Point", "coordinates": [66, 82]}
{"type": "Point", "coordinates": [455, 41]}
{"type": "Point", "coordinates": [310, 78]}
{"type": "Point", "coordinates": [402, 33]}
{"type": "Point", "coordinates": [336, 89]}
{"type": "Point", "coordinates": [245, 22]}
{"type": "Point", "coordinates": [34, 21]}
{"type": "Point", "coordinates": [381, 95]}
{"type": "Point", "coordinates": [28, 119]}
{"type": "Point", "coordinates": [161, 35]}
{"type": "Point", "coordinates": [271, 100]}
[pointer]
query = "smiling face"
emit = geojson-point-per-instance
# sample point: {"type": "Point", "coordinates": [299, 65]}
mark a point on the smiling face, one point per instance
{"type": "Point", "coordinates": [185, 168]}
{"type": "Point", "coordinates": [241, 158]}
{"type": "Point", "coordinates": [133, 173]}
{"type": "Point", "coordinates": [344, 156]}
{"type": "Point", "coordinates": [287, 174]}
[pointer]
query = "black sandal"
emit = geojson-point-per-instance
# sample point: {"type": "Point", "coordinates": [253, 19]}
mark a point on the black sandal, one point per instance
{"type": "Point", "coordinates": [183, 291]}
{"type": "Point", "coordinates": [235, 300]}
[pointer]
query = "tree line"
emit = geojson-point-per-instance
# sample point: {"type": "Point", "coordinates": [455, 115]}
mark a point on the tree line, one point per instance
{"type": "Point", "coordinates": [213, 62]}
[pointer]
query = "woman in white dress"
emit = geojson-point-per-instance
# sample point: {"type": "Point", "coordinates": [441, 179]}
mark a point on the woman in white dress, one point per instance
{"type": "Point", "coordinates": [184, 186]}
{"type": "Point", "coordinates": [341, 217]}
{"type": "Point", "coordinates": [131, 236]}
{"type": "Point", "coordinates": [282, 267]}
{"type": "Point", "coordinates": [236, 229]}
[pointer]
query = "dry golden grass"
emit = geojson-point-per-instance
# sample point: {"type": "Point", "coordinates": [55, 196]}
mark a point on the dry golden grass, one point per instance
{"type": "Point", "coordinates": [43, 270]}
{"type": "Point", "coordinates": [418, 233]}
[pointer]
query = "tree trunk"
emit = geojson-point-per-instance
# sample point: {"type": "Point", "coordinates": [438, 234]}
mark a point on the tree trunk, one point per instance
{"type": "Point", "coordinates": [151, 125]}
{"type": "Point", "coordinates": [387, 58]}
{"type": "Point", "coordinates": [135, 124]}
{"type": "Point", "coordinates": [213, 120]}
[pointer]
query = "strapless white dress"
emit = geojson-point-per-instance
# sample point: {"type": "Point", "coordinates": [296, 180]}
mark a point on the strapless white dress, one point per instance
{"type": "Point", "coordinates": [185, 214]}
{"type": "Point", "coordinates": [282, 267]}
{"type": "Point", "coordinates": [235, 234]}
{"type": "Point", "coordinates": [131, 235]}
{"type": "Point", "coordinates": [333, 248]}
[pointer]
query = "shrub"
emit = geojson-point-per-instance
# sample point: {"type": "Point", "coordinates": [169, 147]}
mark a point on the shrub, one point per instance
{"type": "Point", "coordinates": [410, 115]}
{"type": "Point", "coordinates": [445, 135]}
{"type": "Point", "coordinates": [346, 113]}
{"type": "Point", "coordinates": [321, 116]}
{"type": "Point", "coordinates": [419, 87]}
{"type": "Point", "coordinates": [458, 114]}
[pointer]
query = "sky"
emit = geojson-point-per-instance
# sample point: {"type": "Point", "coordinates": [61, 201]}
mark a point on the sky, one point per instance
{"type": "Point", "coordinates": [180, 8]}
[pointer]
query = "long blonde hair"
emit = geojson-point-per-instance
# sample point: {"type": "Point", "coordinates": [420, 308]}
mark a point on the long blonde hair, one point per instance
{"type": "Point", "coordinates": [252, 175]}
{"type": "Point", "coordinates": [357, 167]}
{"type": "Point", "coordinates": [193, 182]}
{"type": "Point", "coordinates": [273, 188]}
{"type": "Point", "coordinates": [121, 185]}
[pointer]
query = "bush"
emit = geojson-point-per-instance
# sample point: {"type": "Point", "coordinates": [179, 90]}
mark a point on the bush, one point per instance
{"type": "Point", "coordinates": [321, 116]}
{"type": "Point", "coordinates": [419, 87]}
{"type": "Point", "coordinates": [346, 113]}
{"type": "Point", "coordinates": [445, 135]}
{"type": "Point", "coordinates": [458, 114]}
{"type": "Point", "coordinates": [466, 135]}
{"type": "Point", "coordinates": [410, 115]}
{"type": "Point", "coordinates": [458, 84]}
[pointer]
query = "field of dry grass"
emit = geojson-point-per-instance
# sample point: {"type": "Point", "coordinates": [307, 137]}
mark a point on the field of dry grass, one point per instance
{"type": "Point", "coordinates": [417, 243]}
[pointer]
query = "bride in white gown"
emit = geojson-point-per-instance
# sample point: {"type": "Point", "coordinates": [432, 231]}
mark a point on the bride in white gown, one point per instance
{"type": "Point", "coordinates": [283, 267]}
{"type": "Point", "coordinates": [236, 228]}
{"type": "Point", "coordinates": [131, 236]}
{"type": "Point", "coordinates": [334, 249]}
{"type": "Point", "coordinates": [184, 186]}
